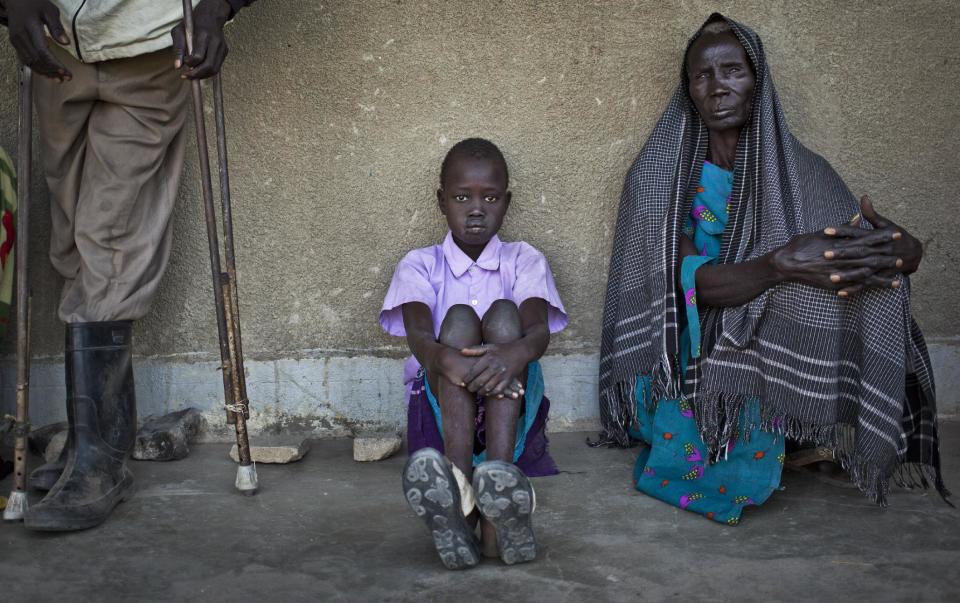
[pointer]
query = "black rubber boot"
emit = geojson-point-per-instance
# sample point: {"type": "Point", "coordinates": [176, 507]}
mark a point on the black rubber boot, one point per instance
{"type": "Point", "coordinates": [101, 399]}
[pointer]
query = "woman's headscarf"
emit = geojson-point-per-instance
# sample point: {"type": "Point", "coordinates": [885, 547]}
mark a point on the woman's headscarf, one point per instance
{"type": "Point", "coordinates": [850, 374]}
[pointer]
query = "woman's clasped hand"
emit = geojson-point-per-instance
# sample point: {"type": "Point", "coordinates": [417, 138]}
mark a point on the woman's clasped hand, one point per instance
{"type": "Point", "coordinates": [848, 258]}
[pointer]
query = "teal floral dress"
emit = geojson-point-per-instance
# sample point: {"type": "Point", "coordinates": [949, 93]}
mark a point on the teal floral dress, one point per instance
{"type": "Point", "coordinates": [675, 467]}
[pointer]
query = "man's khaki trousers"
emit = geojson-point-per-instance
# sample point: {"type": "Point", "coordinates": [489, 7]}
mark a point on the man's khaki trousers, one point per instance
{"type": "Point", "coordinates": [112, 144]}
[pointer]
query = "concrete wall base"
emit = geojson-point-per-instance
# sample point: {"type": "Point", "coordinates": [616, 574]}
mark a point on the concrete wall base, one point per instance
{"type": "Point", "coordinates": [338, 395]}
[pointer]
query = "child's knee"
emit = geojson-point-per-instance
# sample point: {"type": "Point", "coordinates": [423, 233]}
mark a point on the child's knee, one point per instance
{"type": "Point", "coordinates": [502, 322]}
{"type": "Point", "coordinates": [460, 327]}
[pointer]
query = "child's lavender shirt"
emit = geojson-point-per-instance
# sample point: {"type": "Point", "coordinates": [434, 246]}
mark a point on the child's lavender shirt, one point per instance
{"type": "Point", "coordinates": [442, 276]}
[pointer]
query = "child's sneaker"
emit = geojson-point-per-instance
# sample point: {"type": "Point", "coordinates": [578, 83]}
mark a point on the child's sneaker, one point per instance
{"type": "Point", "coordinates": [431, 488]}
{"type": "Point", "coordinates": [505, 498]}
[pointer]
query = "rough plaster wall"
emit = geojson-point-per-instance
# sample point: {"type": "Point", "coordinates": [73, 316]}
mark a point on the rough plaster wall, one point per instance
{"type": "Point", "coordinates": [339, 114]}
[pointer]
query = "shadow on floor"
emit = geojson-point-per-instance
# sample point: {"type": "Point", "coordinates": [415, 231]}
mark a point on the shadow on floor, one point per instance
{"type": "Point", "coordinates": [329, 528]}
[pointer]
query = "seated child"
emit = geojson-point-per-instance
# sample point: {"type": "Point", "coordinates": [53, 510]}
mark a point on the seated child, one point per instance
{"type": "Point", "coordinates": [477, 314]}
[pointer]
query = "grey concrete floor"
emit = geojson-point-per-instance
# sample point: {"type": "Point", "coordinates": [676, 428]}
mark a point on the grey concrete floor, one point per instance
{"type": "Point", "coordinates": [329, 528]}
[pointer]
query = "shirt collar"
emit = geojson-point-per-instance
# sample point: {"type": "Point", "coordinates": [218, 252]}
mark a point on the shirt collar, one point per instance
{"type": "Point", "coordinates": [460, 262]}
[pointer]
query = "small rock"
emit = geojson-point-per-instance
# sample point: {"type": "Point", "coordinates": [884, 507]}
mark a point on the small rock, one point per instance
{"type": "Point", "coordinates": [375, 446]}
{"type": "Point", "coordinates": [278, 453]}
{"type": "Point", "coordinates": [55, 447]}
{"type": "Point", "coordinates": [167, 438]}
{"type": "Point", "coordinates": [6, 424]}
{"type": "Point", "coordinates": [40, 437]}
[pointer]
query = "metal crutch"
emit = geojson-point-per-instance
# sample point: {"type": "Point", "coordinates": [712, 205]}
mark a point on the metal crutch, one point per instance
{"type": "Point", "coordinates": [17, 503]}
{"type": "Point", "coordinates": [224, 282]}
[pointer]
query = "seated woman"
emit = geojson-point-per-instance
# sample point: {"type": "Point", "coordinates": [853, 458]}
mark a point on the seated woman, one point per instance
{"type": "Point", "coordinates": [752, 299]}
{"type": "Point", "coordinates": [477, 313]}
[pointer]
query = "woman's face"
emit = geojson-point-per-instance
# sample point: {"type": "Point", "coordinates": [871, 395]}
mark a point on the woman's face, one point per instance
{"type": "Point", "coordinates": [720, 81]}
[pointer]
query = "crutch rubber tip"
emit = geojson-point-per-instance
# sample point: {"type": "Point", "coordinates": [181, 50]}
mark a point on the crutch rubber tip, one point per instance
{"type": "Point", "coordinates": [247, 479]}
{"type": "Point", "coordinates": [16, 507]}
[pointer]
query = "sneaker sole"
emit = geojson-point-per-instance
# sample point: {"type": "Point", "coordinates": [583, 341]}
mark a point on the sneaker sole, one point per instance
{"type": "Point", "coordinates": [505, 499]}
{"type": "Point", "coordinates": [431, 491]}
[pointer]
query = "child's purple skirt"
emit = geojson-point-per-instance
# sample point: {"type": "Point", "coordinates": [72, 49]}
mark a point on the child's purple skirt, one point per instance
{"type": "Point", "coordinates": [423, 431]}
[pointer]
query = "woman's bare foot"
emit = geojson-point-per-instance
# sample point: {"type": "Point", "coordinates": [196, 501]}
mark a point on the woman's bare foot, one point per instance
{"type": "Point", "coordinates": [821, 463]}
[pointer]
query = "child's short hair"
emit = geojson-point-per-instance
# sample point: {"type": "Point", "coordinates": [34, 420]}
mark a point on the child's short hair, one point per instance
{"type": "Point", "coordinates": [479, 148]}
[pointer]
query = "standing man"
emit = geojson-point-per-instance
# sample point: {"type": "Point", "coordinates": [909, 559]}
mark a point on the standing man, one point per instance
{"type": "Point", "coordinates": [111, 109]}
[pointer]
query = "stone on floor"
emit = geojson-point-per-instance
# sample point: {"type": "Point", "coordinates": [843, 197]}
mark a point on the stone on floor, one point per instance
{"type": "Point", "coordinates": [40, 437]}
{"type": "Point", "coordinates": [6, 424]}
{"type": "Point", "coordinates": [55, 446]}
{"type": "Point", "coordinates": [375, 446]}
{"type": "Point", "coordinates": [168, 437]}
{"type": "Point", "coordinates": [275, 452]}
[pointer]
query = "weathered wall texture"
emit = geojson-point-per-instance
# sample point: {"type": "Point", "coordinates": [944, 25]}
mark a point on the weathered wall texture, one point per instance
{"type": "Point", "coordinates": [340, 112]}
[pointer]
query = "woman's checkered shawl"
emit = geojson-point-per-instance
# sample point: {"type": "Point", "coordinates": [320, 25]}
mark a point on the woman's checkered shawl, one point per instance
{"type": "Point", "coordinates": [850, 374]}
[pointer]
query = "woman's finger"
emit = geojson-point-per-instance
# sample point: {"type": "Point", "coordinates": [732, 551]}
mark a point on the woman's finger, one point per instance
{"type": "Point", "coordinates": [848, 291]}
{"type": "Point", "coordinates": [858, 251]}
{"type": "Point", "coordinates": [845, 231]}
{"type": "Point", "coordinates": [842, 279]}
{"type": "Point", "coordinates": [860, 236]}
{"type": "Point", "coordinates": [876, 281]}
{"type": "Point", "coordinates": [877, 262]}
{"type": "Point", "coordinates": [870, 213]}
{"type": "Point", "coordinates": [869, 238]}
{"type": "Point", "coordinates": [889, 273]}
{"type": "Point", "coordinates": [883, 282]}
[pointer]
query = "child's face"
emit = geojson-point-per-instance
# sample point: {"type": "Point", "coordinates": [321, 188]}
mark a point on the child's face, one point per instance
{"type": "Point", "coordinates": [474, 198]}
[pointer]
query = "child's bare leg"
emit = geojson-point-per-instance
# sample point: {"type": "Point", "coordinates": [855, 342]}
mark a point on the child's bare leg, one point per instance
{"type": "Point", "coordinates": [501, 324]}
{"type": "Point", "coordinates": [458, 406]}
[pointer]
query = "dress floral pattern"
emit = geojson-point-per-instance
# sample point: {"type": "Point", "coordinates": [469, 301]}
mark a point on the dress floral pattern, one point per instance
{"type": "Point", "coordinates": [674, 467]}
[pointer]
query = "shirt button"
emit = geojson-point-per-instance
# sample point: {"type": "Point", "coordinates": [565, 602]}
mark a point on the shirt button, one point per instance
{"type": "Point", "coordinates": [473, 301]}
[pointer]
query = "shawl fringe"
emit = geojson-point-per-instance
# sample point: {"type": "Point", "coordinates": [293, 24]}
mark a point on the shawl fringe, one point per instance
{"type": "Point", "coordinates": [618, 405]}
{"type": "Point", "coordinates": [619, 412]}
{"type": "Point", "coordinates": [718, 417]}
